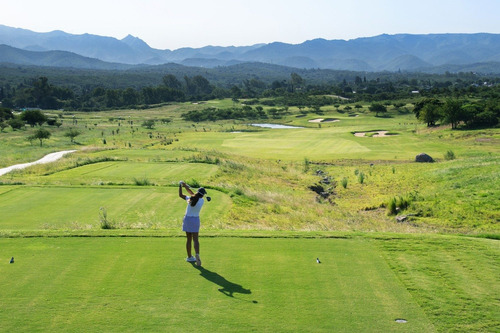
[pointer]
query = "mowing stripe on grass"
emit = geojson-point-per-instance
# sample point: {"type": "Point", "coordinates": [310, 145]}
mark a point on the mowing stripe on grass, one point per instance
{"type": "Point", "coordinates": [455, 280]}
{"type": "Point", "coordinates": [35, 208]}
{"type": "Point", "coordinates": [131, 284]}
{"type": "Point", "coordinates": [125, 172]}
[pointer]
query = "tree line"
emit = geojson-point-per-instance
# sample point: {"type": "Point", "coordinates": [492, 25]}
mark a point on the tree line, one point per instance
{"type": "Point", "coordinates": [470, 113]}
{"type": "Point", "coordinates": [40, 93]}
{"type": "Point", "coordinates": [468, 101]}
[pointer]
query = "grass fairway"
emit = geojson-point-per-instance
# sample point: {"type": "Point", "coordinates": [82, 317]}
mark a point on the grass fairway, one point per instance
{"type": "Point", "coordinates": [128, 172]}
{"type": "Point", "coordinates": [264, 284]}
{"type": "Point", "coordinates": [456, 280]}
{"type": "Point", "coordinates": [281, 198]}
{"type": "Point", "coordinates": [79, 207]}
{"type": "Point", "coordinates": [324, 143]}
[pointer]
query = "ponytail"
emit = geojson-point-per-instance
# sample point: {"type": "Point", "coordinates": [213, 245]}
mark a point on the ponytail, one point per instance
{"type": "Point", "coordinates": [194, 199]}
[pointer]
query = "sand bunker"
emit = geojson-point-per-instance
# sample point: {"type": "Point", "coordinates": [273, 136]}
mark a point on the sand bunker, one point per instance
{"type": "Point", "coordinates": [321, 120]}
{"type": "Point", "coordinates": [378, 134]}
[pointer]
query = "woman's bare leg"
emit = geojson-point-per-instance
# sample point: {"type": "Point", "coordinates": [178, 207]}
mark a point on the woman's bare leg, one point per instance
{"type": "Point", "coordinates": [189, 238]}
{"type": "Point", "coordinates": [196, 243]}
{"type": "Point", "coordinates": [197, 248]}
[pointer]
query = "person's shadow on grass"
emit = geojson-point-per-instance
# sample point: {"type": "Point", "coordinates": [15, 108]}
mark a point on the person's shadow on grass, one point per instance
{"type": "Point", "coordinates": [228, 287]}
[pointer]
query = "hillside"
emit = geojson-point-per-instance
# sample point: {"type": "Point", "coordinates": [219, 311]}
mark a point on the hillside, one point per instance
{"type": "Point", "coordinates": [406, 52]}
{"type": "Point", "coordinates": [64, 59]}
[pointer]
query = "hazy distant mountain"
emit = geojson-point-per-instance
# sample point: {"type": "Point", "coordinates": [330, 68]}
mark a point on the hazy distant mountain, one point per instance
{"type": "Point", "coordinates": [403, 52]}
{"type": "Point", "coordinates": [407, 62]}
{"type": "Point", "coordinates": [9, 54]}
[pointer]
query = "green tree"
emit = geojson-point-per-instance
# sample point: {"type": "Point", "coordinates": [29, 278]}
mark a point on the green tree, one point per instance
{"type": "Point", "coordinates": [33, 117]}
{"type": "Point", "coordinates": [42, 94]}
{"type": "Point", "coordinates": [296, 81]}
{"type": "Point", "coordinates": [41, 134]}
{"type": "Point", "coordinates": [421, 104]}
{"type": "Point", "coordinates": [113, 97]}
{"type": "Point", "coordinates": [6, 114]}
{"type": "Point", "coordinates": [53, 122]}
{"type": "Point", "coordinates": [377, 108]}
{"type": "Point", "coordinates": [130, 97]}
{"type": "Point", "coordinates": [149, 124]}
{"type": "Point", "coordinates": [72, 134]}
{"type": "Point", "coordinates": [430, 113]}
{"type": "Point", "coordinates": [202, 84]}
{"type": "Point", "coordinates": [16, 123]}
{"type": "Point", "coordinates": [235, 92]}
{"type": "Point", "coordinates": [172, 82]}
{"type": "Point", "coordinates": [3, 125]}
{"type": "Point", "coordinates": [452, 113]}
{"type": "Point", "coordinates": [316, 108]}
{"type": "Point", "coordinates": [150, 96]}
{"type": "Point", "coordinates": [197, 86]}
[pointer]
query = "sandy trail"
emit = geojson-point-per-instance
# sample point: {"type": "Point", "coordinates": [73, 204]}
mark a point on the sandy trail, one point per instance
{"type": "Point", "coordinates": [46, 159]}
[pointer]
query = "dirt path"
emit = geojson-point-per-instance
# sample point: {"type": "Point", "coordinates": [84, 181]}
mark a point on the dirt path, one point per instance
{"type": "Point", "coordinates": [46, 159]}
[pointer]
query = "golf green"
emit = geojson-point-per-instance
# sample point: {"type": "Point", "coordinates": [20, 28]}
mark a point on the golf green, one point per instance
{"type": "Point", "coordinates": [313, 143]}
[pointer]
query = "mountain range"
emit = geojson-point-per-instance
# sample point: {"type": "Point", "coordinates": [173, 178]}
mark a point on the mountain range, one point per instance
{"type": "Point", "coordinates": [401, 52]}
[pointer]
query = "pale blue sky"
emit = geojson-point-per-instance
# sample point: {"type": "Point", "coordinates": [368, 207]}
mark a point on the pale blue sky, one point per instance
{"type": "Point", "coordinates": [167, 24]}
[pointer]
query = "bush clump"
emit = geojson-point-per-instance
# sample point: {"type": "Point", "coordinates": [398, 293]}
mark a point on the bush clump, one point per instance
{"type": "Point", "coordinates": [344, 182]}
{"type": "Point", "coordinates": [449, 155]}
{"type": "Point", "coordinates": [103, 217]}
{"type": "Point", "coordinates": [142, 181]}
{"type": "Point", "coordinates": [399, 203]}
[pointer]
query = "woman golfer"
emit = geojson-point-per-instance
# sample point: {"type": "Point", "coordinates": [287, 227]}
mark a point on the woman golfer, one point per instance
{"type": "Point", "coordinates": [191, 221]}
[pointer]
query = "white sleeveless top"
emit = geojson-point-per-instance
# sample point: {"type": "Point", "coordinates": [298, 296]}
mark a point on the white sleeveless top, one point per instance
{"type": "Point", "coordinates": [194, 211]}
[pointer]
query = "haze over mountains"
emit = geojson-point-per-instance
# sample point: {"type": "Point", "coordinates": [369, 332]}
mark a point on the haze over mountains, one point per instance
{"type": "Point", "coordinates": [429, 53]}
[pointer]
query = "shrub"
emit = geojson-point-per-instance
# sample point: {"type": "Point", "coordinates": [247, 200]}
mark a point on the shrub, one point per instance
{"type": "Point", "coordinates": [449, 155]}
{"type": "Point", "coordinates": [344, 182]}
{"type": "Point", "coordinates": [150, 123]}
{"type": "Point", "coordinates": [306, 164]}
{"type": "Point", "coordinates": [361, 177]}
{"type": "Point", "coordinates": [142, 182]}
{"type": "Point", "coordinates": [72, 134]}
{"type": "Point", "coordinates": [400, 203]}
{"type": "Point", "coordinates": [392, 208]}
{"type": "Point", "coordinates": [403, 202]}
{"type": "Point", "coordinates": [16, 123]}
{"type": "Point", "coordinates": [103, 217]}
{"type": "Point", "coordinates": [194, 183]}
